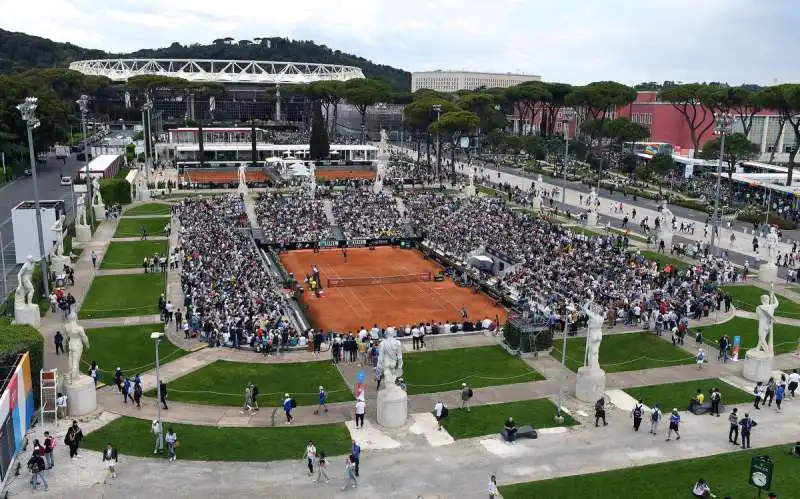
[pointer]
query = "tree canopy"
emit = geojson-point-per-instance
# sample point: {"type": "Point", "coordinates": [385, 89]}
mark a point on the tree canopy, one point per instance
{"type": "Point", "coordinates": [785, 99]}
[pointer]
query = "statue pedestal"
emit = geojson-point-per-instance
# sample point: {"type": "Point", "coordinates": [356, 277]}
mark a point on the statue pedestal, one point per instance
{"type": "Point", "coordinates": [83, 233]}
{"type": "Point", "coordinates": [470, 191]}
{"type": "Point", "coordinates": [591, 219]}
{"type": "Point", "coordinates": [768, 272]}
{"type": "Point", "coordinates": [667, 238]}
{"type": "Point", "coordinates": [99, 212]}
{"type": "Point", "coordinates": [392, 407]}
{"type": "Point", "coordinates": [27, 315]}
{"type": "Point", "coordinates": [81, 396]}
{"type": "Point", "coordinates": [590, 385]}
{"type": "Point", "coordinates": [537, 204]}
{"type": "Point", "coordinates": [57, 263]}
{"type": "Point", "coordinates": [242, 189]}
{"type": "Point", "coordinates": [377, 187]}
{"type": "Point", "coordinates": [757, 366]}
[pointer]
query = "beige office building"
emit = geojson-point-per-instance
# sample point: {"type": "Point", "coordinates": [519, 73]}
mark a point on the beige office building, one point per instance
{"type": "Point", "coordinates": [453, 81]}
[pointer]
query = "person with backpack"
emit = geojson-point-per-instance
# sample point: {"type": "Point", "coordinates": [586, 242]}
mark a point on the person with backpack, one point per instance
{"type": "Point", "coordinates": [747, 425]}
{"type": "Point", "coordinates": [137, 395]}
{"type": "Point", "coordinates": [254, 395]}
{"type": "Point", "coordinates": [466, 395]}
{"type": "Point", "coordinates": [126, 391]}
{"type": "Point", "coordinates": [36, 467]}
{"type": "Point", "coordinates": [655, 417]}
{"type": "Point", "coordinates": [733, 433]}
{"type": "Point", "coordinates": [674, 424]}
{"type": "Point", "coordinates": [716, 398]}
{"type": "Point", "coordinates": [440, 411]}
{"type": "Point", "coordinates": [73, 439]}
{"type": "Point", "coordinates": [288, 404]}
{"type": "Point", "coordinates": [110, 460]}
{"type": "Point", "coordinates": [322, 467]}
{"type": "Point", "coordinates": [323, 401]}
{"type": "Point", "coordinates": [637, 413]}
{"type": "Point", "coordinates": [49, 446]}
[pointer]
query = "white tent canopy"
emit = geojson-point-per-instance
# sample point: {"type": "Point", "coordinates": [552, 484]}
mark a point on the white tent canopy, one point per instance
{"type": "Point", "coordinates": [480, 260]}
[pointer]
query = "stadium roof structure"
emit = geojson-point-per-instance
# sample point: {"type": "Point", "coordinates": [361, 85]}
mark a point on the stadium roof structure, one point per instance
{"type": "Point", "coordinates": [218, 71]}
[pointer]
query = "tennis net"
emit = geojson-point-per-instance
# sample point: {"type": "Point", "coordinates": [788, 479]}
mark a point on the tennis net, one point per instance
{"type": "Point", "coordinates": [339, 282]}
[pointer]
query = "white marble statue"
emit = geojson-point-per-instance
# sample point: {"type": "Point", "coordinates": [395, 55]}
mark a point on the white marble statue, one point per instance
{"type": "Point", "coordinates": [594, 334]}
{"type": "Point", "coordinates": [97, 198]}
{"type": "Point", "coordinates": [243, 174]}
{"type": "Point", "coordinates": [380, 173]}
{"type": "Point", "coordinates": [665, 219]}
{"type": "Point", "coordinates": [24, 293]}
{"type": "Point", "coordinates": [77, 339]}
{"type": "Point", "coordinates": [592, 208]}
{"type": "Point", "coordinates": [766, 319]}
{"type": "Point", "coordinates": [81, 210]}
{"type": "Point", "coordinates": [538, 187]}
{"type": "Point", "coordinates": [390, 358]}
{"type": "Point", "coordinates": [383, 146]}
{"type": "Point", "coordinates": [772, 244]}
{"type": "Point", "coordinates": [312, 180]}
{"type": "Point", "coordinates": [58, 235]}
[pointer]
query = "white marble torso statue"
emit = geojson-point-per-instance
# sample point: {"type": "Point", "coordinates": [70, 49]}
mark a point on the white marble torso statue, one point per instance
{"type": "Point", "coordinates": [593, 201]}
{"type": "Point", "coordinates": [538, 187]}
{"type": "Point", "coordinates": [97, 198]}
{"type": "Point", "coordinates": [76, 340]}
{"type": "Point", "coordinates": [665, 219]}
{"type": "Point", "coordinates": [24, 294]}
{"type": "Point", "coordinates": [383, 146]}
{"type": "Point", "coordinates": [80, 211]}
{"type": "Point", "coordinates": [772, 243]}
{"type": "Point", "coordinates": [58, 236]}
{"type": "Point", "coordinates": [766, 319]}
{"type": "Point", "coordinates": [243, 174]}
{"type": "Point", "coordinates": [594, 334]}
{"type": "Point", "coordinates": [390, 358]}
{"type": "Point", "coordinates": [471, 176]}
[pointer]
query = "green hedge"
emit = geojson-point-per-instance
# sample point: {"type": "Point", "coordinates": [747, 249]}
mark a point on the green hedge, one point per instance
{"type": "Point", "coordinates": [15, 340]}
{"type": "Point", "coordinates": [758, 218]}
{"type": "Point", "coordinates": [115, 190]}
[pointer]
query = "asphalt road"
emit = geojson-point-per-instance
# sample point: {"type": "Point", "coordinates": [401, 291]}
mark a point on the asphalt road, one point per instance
{"type": "Point", "coordinates": [20, 190]}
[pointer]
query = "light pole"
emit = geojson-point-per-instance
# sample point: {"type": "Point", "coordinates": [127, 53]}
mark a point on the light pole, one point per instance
{"type": "Point", "coordinates": [438, 109]}
{"type": "Point", "coordinates": [146, 107]}
{"type": "Point", "coordinates": [569, 309]}
{"type": "Point", "coordinates": [565, 119]}
{"type": "Point", "coordinates": [28, 111]}
{"type": "Point", "coordinates": [3, 260]}
{"type": "Point", "coordinates": [724, 125]}
{"type": "Point", "coordinates": [83, 104]}
{"type": "Point", "coordinates": [156, 337]}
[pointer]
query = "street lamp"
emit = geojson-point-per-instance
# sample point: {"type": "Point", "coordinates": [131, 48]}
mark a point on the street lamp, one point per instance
{"type": "Point", "coordinates": [566, 118]}
{"type": "Point", "coordinates": [567, 315]}
{"type": "Point", "coordinates": [156, 337]}
{"type": "Point", "coordinates": [83, 104]}
{"type": "Point", "coordinates": [28, 111]}
{"type": "Point", "coordinates": [146, 107]}
{"type": "Point", "coordinates": [724, 126]}
{"type": "Point", "coordinates": [438, 109]}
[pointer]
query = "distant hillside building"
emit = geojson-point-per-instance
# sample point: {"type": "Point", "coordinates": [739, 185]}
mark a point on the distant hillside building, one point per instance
{"type": "Point", "coordinates": [453, 81]}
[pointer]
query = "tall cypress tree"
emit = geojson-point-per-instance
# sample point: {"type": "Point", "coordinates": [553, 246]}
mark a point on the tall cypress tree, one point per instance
{"type": "Point", "coordinates": [201, 151]}
{"type": "Point", "coordinates": [319, 146]}
{"type": "Point", "coordinates": [254, 151]}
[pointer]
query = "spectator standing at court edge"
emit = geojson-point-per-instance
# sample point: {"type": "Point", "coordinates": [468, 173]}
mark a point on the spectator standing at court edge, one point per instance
{"type": "Point", "coordinates": [323, 401]}
{"type": "Point", "coordinates": [747, 425]}
{"type": "Point", "coordinates": [172, 444]}
{"type": "Point", "coordinates": [73, 439]}
{"type": "Point", "coordinates": [655, 417]}
{"type": "Point", "coordinates": [355, 456]}
{"type": "Point", "coordinates": [493, 492]}
{"type": "Point", "coordinates": [361, 408]}
{"type": "Point", "coordinates": [310, 455]}
{"type": "Point", "coordinates": [466, 395]}
{"type": "Point", "coordinates": [288, 405]}
{"type": "Point", "coordinates": [733, 433]}
{"type": "Point", "coordinates": [674, 424]}
{"type": "Point", "coordinates": [636, 413]}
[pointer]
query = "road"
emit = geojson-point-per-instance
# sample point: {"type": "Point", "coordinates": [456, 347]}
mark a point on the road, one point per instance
{"type": "Point", "coordinates": [20, 190]}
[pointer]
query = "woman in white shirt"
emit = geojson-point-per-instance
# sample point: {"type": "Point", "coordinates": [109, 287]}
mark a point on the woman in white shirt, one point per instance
{"type": "Point", "coordinates": [361, 407]}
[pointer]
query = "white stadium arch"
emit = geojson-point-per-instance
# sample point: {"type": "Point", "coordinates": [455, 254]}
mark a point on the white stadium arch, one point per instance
{"type": "Point", "coordinates": [218, 71]}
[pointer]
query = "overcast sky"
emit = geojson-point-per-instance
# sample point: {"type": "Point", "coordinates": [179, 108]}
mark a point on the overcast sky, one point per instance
{"type": "Point", "coordinates": [575, 41]}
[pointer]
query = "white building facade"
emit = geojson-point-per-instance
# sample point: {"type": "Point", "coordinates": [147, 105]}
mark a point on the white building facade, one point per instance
{"type": "Point", "coordinates": [453, 81]}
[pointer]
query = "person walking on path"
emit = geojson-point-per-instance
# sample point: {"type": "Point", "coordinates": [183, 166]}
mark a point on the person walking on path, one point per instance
{"type": "Point", "coordinates": [361, 408]}
{"type": "Point", "coordinates": [110, 460]}
{"type": "Point", "coordinates": [757, 392]}
{"type": "Point", "coordinates": [127, 390]}
{"type": "Point", "coordinates": [769, 392]}
{"type": "Point", "coordinates": [636, 413]}
{"type": "Point", "coordinates": [137, 395]}
{"type": "Point", "coordinates": [794, 381]}
{"type": "Point", "coordinates": [779, 394]}
{"type": "Point", "coordinates": [747, 425]}
{"type": "Point", "coordinates": [700, 358]}
{"type": "Point", "coordinates": [94, 259]}
{"type": "Point", "coordinates": [655, 417]}
{"type": "Point", "coordinates": [58, 339]}
{"type": "Point", "coordinates": [36, 467]}
{"type": "Point", "coordinates": [355, 456]}
{"type": "Point", "coordinates": [288, 405]}
{"type": "Point", "coordinates": [466, 395]}
{"type": "Point", "coordinates": [162, 389]}
{"type": "Point", "coordinates": [73, 439]}
{"type": "Point", "coordinates": [172, 444]}
{"type": "Point", "coordinates": [49, 447]}
{"type": "Point", "coordinates": [323, 401]}
{"type": "Point", "coordinates": [349, 475]}
{"type": "Point", "coordinates": [674, 423]}
{"type": "Point", "coordinates": [155, 430]}
{"type": "Point", "coordinates": [322, 468]}
{"type": "Point", "coordinates": [733, 433]}
{"type": "Point", "coordinates": [493, 491]}
{"type": "Point", "coordinates": [716, 398]}
{"type": "Point", "coordinates": [311, 456]}
{"type": "Point", "coordinates": [600, 412]}
{"type": "Point", "coordinates": [248, 400]}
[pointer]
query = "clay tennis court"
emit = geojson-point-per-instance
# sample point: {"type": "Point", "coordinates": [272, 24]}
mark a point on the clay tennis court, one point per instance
{"type": "Point", "coordinates": [344, 174]}
{"type": "Point", "coordinates": [347, 308]}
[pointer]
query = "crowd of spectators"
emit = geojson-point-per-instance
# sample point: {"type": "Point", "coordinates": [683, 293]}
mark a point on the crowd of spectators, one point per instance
{"type": "Point", "coordinates": [364, 214]}
{"type": "Point", "coordinates": [292, 218]}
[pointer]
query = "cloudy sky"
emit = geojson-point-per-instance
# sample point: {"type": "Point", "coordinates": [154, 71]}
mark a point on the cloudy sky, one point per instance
{"type": "Point", "coordinates": [574, 41]}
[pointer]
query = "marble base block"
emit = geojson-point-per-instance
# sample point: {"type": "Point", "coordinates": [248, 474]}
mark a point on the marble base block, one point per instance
{"type": "Point", "coordinates": [83, 233]}
{"type": "Point", "coordinates": [768, 272]}
{"type": "Point", "coordinates": [57, 263]}
{"type": "Point", "coordinates": [591, 219]}
{"type": "Point", "coordinates": [99, 213]}
{"type": "Point", "coordinates": [537, 204]}
{"type": "Point", "coordinates": [81, 396]}
{"type": "Point", "coordinates": [590, 385]}
{"type": "Point", "coordinates": [392, 407]}
{"type": "Point", "coordinates": [757, 366]}
{"type": "Point", "coordinates": [27, 314]}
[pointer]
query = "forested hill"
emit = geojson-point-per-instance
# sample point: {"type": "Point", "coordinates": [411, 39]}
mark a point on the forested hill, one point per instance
{"type": "Point", "coordinates": [19, 52]}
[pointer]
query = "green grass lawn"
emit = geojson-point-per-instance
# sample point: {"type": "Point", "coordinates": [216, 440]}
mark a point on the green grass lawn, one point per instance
{"type": "Point", "coordinates": [625, 352]}
{"type": "Point", "coordinates": [678, 394]}
{"type": "Point", "coordinates": [725, 473]}
{"type": "Point", "coordinates": [785, 340]}
{"type": "Point", "coordinates": [150, 209]}
{"type": "Point", "coordinates": [124, 255]}
{"type": "Point", "coordinates": [128, 347]}
{"type": "Point", "coordinates": [443, 370]}
{"type": "Point", "coordinates": [131, 227]}
{"type": "Point", "coordinates": [223, 383]}
{"type": "Point", "coordinates": [749, 297]}
{"type": "Point", "coordinates": [132, 437]}
{"type": "Point", "coordinates": [123, 296]}
{"type": "Point", "coordinates": [489, 419]}
{"type": "Point", "coordinates": [664, 259]}
{"type": "Point", "coordinates": [581, 230]}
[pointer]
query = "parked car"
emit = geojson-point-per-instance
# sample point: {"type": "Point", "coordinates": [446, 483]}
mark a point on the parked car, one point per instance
{"type": "Point", "coordinates": [66, 180]}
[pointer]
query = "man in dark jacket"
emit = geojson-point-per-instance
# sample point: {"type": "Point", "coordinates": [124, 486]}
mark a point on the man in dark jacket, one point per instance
{"type": "Point", "coordinates": [36, 467]}
{"type": "Point", "coordinates": [73, 439]}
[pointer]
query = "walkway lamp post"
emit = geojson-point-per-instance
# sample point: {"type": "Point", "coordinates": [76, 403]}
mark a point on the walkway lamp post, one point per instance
{"type": "Point", "coordinates": [28, 111]}
{"type": "Point", "coordinates": [567, 316]}
{"type": "Point", "coordinates": [724, 126]}
{"type": "Point", "coordinates": [83, 104]}
{"type": "Point", "coordinates": [156, 337]}
{"type": "Point", "coordinates": [438, 109]}
{"type": "Point", "coordinates": [146, 107]}
{"type": "Point", "coordinates": [566, 118]}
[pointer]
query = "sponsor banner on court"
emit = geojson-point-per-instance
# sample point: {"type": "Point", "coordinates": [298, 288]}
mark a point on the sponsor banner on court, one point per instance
{"type": "Point", "coordinates": [403, 242]}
